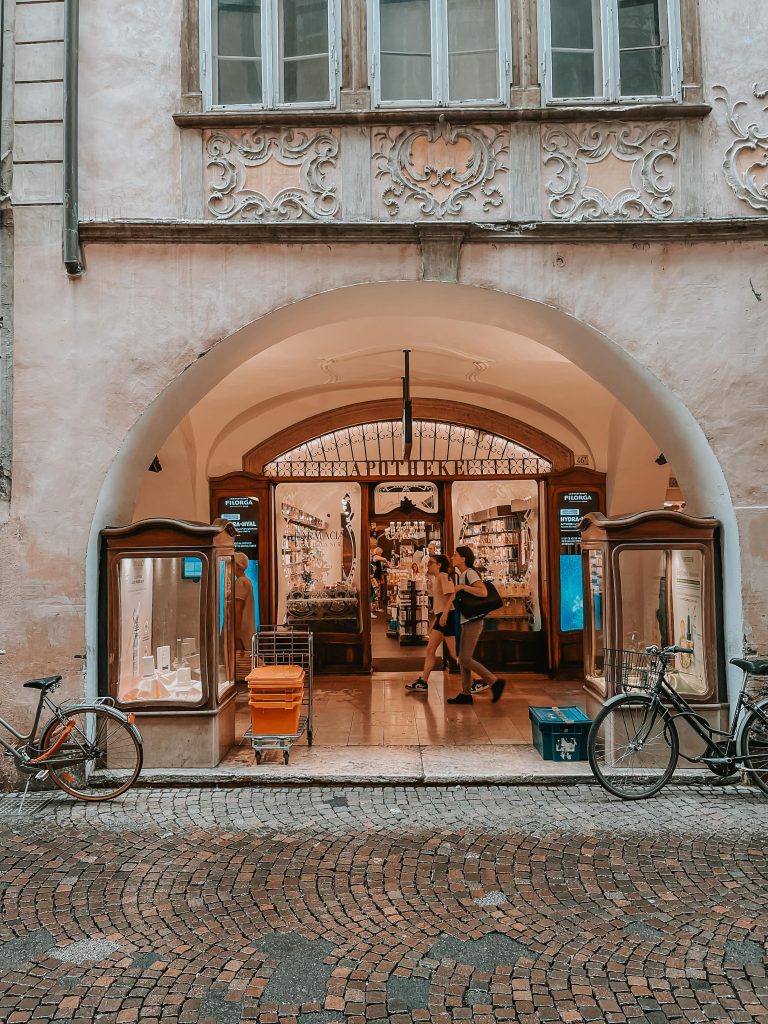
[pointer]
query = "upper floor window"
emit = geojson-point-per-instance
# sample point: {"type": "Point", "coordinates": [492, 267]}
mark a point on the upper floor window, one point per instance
{"type": "Point", "coordinates": [611, 49]}
{"type": "Point", "coordinates": [269, 53]}
{"type": "Point", "coordinates": [438, 52]}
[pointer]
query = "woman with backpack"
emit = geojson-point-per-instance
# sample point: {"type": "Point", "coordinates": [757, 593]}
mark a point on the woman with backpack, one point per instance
{"type": "Point", "coordinates": [470, 581]}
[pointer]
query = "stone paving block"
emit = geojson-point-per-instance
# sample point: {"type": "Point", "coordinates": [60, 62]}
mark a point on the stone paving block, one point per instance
{"type": "Point", "coordinates": [346, 906]}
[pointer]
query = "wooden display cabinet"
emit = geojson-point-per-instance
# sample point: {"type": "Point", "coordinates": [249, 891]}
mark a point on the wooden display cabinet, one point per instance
{"type": "Point", "coordinates": [571, 493]}
{"type": "Point", "coordinates": [168, 646]}
{"type": "Point", "coordinates": [654, 578]}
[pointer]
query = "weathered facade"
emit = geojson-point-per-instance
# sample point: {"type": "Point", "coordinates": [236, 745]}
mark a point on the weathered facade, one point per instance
{"type": "Point", "coordinates": [618, 243]}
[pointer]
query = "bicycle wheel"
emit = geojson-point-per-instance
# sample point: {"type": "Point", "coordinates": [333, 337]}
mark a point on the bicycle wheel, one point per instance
{"type": "Point", "coordinates": [633, 747]}
{"type": "Point", "coordinates": [105, 753]}
{"type": "Point", "coordinates": [754, 747]}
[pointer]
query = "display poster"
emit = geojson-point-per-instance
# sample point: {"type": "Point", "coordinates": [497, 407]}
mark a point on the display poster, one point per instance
{"type": "Point", "coordinates": [318, 555]}
{"type": "Point", "coordinates": [499, 520]}
{"type": "Point", "coordinates": [243, 513]}
{"type": "Point", "coordinates": [687, 570]}
{"type": "Point", "coordinates": [572, 506]}
{"type": "Point", "coordinates": [135, 620]}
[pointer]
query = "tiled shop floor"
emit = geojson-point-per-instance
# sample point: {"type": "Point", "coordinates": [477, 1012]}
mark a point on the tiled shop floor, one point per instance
{"type": "Point", "coordinates": [405, 905]}
{"type": "Point", "coordinates": [377, 710]}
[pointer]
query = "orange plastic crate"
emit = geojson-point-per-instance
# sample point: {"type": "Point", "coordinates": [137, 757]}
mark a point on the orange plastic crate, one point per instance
{"type": "Point", "coordinates": [292, 674]}
{"type": "Point", "coordinates": [275, 718]}
{"type": "Point", "coordinates": [274, 691]}
{"type": "Point", "coordinates": [276, 682]}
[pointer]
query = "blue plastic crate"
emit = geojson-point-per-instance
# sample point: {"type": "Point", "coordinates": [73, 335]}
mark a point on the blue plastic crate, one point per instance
{"type": "Point", "coordinates": [560, 734]}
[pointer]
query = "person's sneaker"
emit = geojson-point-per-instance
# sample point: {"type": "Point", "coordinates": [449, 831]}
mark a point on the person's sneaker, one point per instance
{"type": "Point", "coordinates": [478, 685]}
{"type": "Point", "coordinates": [460, 698]}
{"type": "Point", "coordinates": [497, 689]}
{"type": "Point", "coordinates": [419, 686]}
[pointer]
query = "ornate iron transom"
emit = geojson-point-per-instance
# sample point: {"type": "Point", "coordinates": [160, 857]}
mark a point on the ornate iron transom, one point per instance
{"type": "Point", "coordinates": [439, 449]}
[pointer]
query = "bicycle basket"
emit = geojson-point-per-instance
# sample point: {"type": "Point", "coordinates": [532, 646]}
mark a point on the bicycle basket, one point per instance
{"type": "Point", "coordinates": [630, 670]}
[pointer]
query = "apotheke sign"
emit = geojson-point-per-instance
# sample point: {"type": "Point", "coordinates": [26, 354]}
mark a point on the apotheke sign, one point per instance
{"type": "Point", "coordinates": [419, 468]}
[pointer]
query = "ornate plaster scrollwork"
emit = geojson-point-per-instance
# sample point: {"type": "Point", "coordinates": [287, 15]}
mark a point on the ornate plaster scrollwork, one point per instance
{"type": "Point", "coordinates": [326, 367]}
{"type": "Point", "coordinates": [611, 170]}
{"type": "Point", "coordinates": [272, 175]}
{"type": "Point", "coordinates": [480, 366]}
{"type": "Point", "coordinates": [746, 160]}
{"type": "Point", "coordinates": [440, 167]}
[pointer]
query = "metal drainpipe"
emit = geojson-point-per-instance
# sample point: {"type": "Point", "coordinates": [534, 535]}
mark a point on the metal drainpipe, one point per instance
{"type": "Point", "coordinates": [73, 257]}
{"type": "Point", "coordinates": [2, 80]}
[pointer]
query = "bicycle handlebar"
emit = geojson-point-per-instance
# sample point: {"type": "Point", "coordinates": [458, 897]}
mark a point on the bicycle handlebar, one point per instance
{"type": "Point", "coordinates": [667, 651]}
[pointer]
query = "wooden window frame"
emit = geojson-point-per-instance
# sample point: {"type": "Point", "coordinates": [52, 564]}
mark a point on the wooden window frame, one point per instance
{"type": "Point", "coordinates": [270, 20]}
{"type": "Point", "coordinates": [607, 38]}
{"type": "Point", "coordinates": [439, 40]}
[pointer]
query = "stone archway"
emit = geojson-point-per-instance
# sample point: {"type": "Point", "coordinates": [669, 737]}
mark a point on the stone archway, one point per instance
{"type": "Point", "coordinates": [653, 404]}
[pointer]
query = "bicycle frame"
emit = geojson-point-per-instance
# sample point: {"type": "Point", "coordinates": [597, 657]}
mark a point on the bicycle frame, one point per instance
{"type": "Point", "coordinates": [26, 738]}
{"type": "Point", "coordinates": [26, 756]}
{"type": "Point", "coordinates": [703, 729]}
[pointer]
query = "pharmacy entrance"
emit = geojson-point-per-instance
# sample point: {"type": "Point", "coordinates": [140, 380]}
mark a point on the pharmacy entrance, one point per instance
{"type": "Point", "coordinates": [342, 528]}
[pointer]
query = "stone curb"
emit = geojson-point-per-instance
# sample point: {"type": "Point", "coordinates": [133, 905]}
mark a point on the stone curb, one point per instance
{"type": "Point", "coordinates": [190, 778]}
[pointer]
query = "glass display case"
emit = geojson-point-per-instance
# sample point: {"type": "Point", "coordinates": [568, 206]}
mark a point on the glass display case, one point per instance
{"type": "Point", "coordinates": [318, 556]}
{"type": "Point", "coordinates": [168, 612]}
{"type": "Point", "coordinates": [499, 520]}
{"type": "Point", "coordinates": [505, 538]}
{"type": "Point", "coordinates": [653, 578]}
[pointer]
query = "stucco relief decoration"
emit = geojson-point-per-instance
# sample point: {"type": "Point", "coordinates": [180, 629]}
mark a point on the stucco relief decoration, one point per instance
{"type": "Point", "coordinates": [611, 171]}
{"type": "Point", "coordinates": [746, 159]}
{"type": "Point", "coordinates": [440, 168]}
{"type": "Point", "coordinates": [272, 176]}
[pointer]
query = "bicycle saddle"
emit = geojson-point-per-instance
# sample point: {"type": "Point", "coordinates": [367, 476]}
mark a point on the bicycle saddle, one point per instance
{"type": "Point", "coordinates": [754, 668]}
{"type": "Point", "coordinates": [48, 681]}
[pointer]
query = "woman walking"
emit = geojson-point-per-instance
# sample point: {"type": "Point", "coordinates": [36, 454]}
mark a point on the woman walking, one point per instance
{"type": "Point", "coordinates": [444, 627]}
{"type": "Point", "coordinates": [470, 581]}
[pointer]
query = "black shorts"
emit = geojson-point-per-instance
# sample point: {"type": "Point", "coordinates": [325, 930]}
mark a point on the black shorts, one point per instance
{"type": "Point", "coordinates": [449, 629]}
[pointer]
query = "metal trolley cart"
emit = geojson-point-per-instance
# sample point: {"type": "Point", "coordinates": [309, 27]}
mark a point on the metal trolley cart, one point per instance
{"type": "Point", "coordinates": [284, 645]}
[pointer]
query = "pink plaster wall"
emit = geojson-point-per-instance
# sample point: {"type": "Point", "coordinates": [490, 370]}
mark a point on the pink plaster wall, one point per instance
{"type": "Point", "coordinates": [103, 348]}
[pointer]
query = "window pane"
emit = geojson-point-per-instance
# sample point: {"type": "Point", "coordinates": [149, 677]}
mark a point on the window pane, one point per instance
{"type": "Point", "coordinates": [304, 47]}
{"type": "Point", "coordinates": [305, 27]}
{"type": "Point", "coordinates": [472, 50]}
{"type": "Point", "coordinates": [306, 81]}
{"type": "Point", "coordinates": [238, 24]}
{"type": "Point", "coordinates": [160, 606]}
{"type": "Point", "coordinates": [573, 74]}
{"type": "Point", "coordinates": [639, 23]}
{"type": "Point", "coordinates": [642, 73]}
{"type": "Point", "coordinates": [406, 50]}
{"type": "Point", "coordinates": [573, 24]}
{"type": "Point", "coordinates": [473, 76]}
{"type": "Point", "coordinates": [239, 81]}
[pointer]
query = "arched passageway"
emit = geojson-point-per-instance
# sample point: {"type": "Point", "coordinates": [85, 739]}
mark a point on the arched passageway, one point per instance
{"type": "Point", "coordinates": [648, 399]}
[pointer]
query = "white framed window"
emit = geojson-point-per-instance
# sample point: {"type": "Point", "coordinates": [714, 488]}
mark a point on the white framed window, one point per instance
{"type": "Point", "coordinates": [269, 53]}
{"type": "Point", "coordinates": [439, 52]}
{"type": "Point", "coordinates": [610, 50]}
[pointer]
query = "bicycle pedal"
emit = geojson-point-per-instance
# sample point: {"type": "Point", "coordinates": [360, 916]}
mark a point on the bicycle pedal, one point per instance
{"type": "Point", "coordinates": [42, 775]}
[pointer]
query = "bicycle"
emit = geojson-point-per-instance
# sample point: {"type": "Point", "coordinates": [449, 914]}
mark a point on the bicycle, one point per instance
{"type": "Point", "coordinates": [73, 748]}
{"type": "Point", "coordinates": [633, 744]}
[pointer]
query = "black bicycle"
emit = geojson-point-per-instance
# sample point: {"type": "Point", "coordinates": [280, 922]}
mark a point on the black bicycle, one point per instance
{"type": "Point", "coordinates": [634, 746]}
{"type": "Point", "coordinates": [92, 751]}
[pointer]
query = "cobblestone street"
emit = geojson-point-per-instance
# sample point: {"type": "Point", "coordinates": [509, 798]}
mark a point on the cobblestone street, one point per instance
{"type": "Point", "coordinates": [313, 906]}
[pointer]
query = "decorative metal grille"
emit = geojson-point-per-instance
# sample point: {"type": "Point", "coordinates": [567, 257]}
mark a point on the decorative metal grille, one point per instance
{"type": "Point", "coordinates": [439, 449]}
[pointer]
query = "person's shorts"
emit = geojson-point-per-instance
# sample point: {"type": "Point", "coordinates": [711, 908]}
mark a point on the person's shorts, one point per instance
{"type": "Point", "coordinates": [449, 629]}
